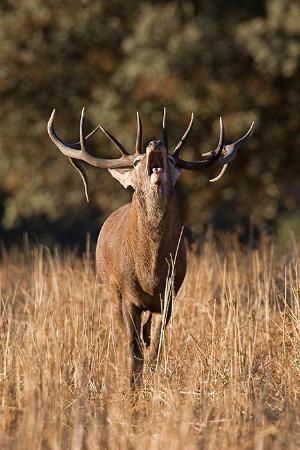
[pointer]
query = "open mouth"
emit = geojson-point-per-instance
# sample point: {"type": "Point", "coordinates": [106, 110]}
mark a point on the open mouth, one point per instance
{"type": "Point", "coordinates": [155, 163]}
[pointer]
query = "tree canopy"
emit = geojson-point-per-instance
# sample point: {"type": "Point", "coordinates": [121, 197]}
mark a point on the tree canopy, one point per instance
{"type": "Point", "coordinates": [239, 60]}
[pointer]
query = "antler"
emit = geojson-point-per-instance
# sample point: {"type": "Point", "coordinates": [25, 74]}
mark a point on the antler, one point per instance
{"type": "Point", "coordinates": [184, 137]}
{"type": "Point", "coordinates": [223, 154]}
{"type": "Point", "coordinates": [165, 130]}
{"type": "Point", "coordinates": [182, 140]}
{"type": "Point", "coordinates": [77, 152]}
{"type": "Point", "coordinates": [139, 134]}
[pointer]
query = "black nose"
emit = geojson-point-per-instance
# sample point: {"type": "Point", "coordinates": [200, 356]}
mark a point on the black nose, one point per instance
{"type": "Point", "coordinates": [156, 144]}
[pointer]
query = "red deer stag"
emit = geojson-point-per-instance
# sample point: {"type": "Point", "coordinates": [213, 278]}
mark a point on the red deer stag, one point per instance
{"type": "Point", "coordinates": [137, 241]}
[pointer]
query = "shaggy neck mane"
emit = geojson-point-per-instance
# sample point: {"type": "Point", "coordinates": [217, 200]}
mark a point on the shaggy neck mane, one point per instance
{"type": "Point", "coordinates": [154, 210]}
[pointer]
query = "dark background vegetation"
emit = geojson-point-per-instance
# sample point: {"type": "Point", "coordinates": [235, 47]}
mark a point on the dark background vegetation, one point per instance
{"type": "Point", "coordinates": [235, 59]}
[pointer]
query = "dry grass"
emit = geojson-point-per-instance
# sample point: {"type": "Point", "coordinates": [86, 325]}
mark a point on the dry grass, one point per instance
{"type": "Point", "coordinates": [228, 378]}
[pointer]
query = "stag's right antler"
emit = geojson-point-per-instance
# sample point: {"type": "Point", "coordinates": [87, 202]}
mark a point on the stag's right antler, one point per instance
{"type": "Point", "coordinates": [77, 152]}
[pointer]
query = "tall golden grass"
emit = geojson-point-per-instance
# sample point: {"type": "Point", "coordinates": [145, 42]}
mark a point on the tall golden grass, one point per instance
{"type": "Point", "coordinates": [229, 375]}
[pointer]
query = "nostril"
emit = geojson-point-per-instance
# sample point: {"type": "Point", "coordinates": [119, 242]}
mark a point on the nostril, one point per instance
{"type": "Point", "coordinates": [155, 145]}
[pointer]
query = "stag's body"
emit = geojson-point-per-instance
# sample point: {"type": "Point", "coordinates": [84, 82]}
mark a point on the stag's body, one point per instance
{"type": "Point", "coordinates": [141, 243]}
{"type": "Point", "coordinates": [135, 250]}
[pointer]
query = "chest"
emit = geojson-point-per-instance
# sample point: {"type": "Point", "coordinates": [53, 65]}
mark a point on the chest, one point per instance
{"type": "Point", "coordinates": [155, 268]}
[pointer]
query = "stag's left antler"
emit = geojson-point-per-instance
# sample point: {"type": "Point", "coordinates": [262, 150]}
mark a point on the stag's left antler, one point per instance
{"type": "Point", "coordinates": [229, 151]}
{"type": "Point", "coordinates": [222, 155]}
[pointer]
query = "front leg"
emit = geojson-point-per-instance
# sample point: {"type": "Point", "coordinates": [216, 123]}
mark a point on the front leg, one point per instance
{"type": "Point", "coordinates": [146, 330]}
{"type": "Point", "coordinates": [132, 319]}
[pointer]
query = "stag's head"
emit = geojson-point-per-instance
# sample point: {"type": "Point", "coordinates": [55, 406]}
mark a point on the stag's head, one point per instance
{"type": "Point", "coordinates": [151, 170]}
{"type": "Point", "coordinates": [154, 168]}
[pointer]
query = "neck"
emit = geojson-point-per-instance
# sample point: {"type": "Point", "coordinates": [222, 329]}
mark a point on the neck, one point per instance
{"type": "Point", "coordinates": [154, 231]}
{"type": "Point", "coordinates": [155, 219]}
{"type": "Point", "coordinates": [155, 209]}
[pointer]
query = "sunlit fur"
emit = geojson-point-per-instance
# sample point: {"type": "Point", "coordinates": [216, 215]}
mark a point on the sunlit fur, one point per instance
{"type": "Point", "coordinates": [135, 250]}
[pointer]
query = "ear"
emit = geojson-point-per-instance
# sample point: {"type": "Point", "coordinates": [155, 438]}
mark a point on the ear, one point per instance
{"type": "Point", "coordinates": [175, 175]}
{"type": "Point", "coordinates": [175, 171]}
{"type": "Point", "coordinates": [124, 176]}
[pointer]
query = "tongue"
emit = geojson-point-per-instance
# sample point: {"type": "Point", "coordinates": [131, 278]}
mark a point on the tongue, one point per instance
{"type": "Point", "coordinates": [157, 170]}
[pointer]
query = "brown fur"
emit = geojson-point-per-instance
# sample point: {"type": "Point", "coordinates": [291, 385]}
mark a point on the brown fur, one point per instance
{"type": "Point", "coordinates": [134, 247]}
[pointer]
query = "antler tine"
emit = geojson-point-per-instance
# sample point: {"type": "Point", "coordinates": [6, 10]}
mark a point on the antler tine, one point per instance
{"type": "Point", "coordinates": [185, 135]}
{"type": "Point", "coordinates": [221, 137]}
{"type": "Point", "coordinates": [114, 141]}
{"type": "Point", "coordinates": [220, 146]}
{"type": "Point", "coordinates": [218, 177]}
{"type": "Point", "coordinates": [78, 166]}
{"type": "Point", "coordinates": [54, 138]}
{"type": "Point", "coordinates": [165, 130]}
{"type": "Point", "coordinates": [230, 151]}
{"type": "Point", "coordinates": [88, 136]}
{"type": "Point", "coordinates": [81, 132]}
{"type": "Point", "coordinates": [139, 134]}
{"type": "Point", "coordinates": [57, 141]}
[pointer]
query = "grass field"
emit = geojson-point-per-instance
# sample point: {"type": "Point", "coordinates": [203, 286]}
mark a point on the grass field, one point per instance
{"type": "Point", "coordinates": [229, 376]}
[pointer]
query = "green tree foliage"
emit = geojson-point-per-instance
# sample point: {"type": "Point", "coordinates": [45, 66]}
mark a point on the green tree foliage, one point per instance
{"type": "Point", "coordinates": [235, 59]}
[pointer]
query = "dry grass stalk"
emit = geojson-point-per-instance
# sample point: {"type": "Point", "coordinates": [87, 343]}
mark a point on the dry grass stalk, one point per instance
{"type": "Point", "coordinates": [229, 376]}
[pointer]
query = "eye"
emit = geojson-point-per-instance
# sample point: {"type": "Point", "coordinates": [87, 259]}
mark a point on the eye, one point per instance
{"type": "Point", "coordinates": [135, 162]}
